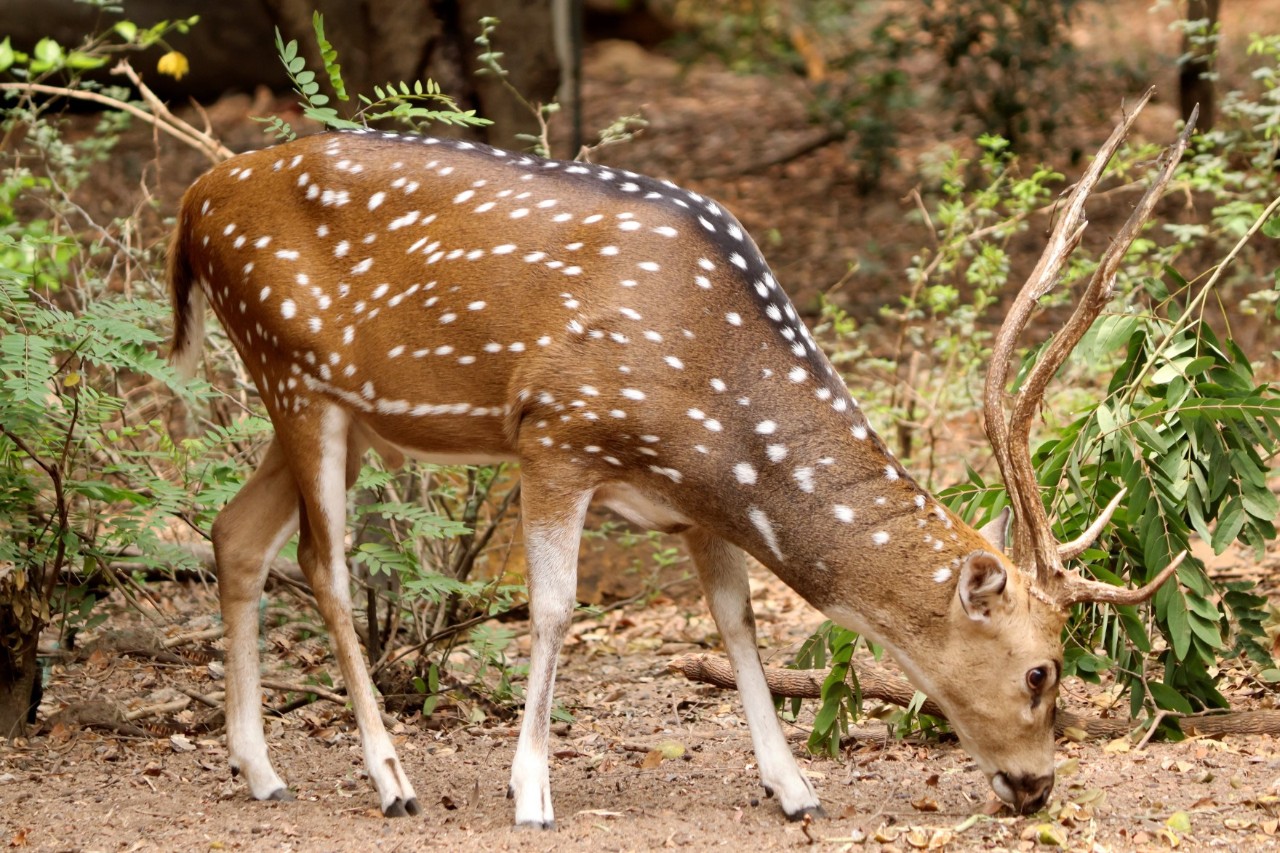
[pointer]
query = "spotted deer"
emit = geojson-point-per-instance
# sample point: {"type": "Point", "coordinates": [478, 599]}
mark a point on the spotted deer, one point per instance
{"type": "Point", "coordinates": [624, 340]}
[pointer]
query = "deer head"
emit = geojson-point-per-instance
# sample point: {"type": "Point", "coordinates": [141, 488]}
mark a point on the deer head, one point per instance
{"type": "Point", "coordinates": [625, 341]}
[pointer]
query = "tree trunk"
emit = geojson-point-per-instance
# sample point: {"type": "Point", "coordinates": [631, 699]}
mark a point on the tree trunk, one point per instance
{"type": "Point", "coordinates": [1195, 83]}
{"type": "Point", "coordinates": [18, 671]}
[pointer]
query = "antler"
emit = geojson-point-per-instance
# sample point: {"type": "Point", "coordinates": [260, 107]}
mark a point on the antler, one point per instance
{"type": "Point", "coordinates": [1010, 440]}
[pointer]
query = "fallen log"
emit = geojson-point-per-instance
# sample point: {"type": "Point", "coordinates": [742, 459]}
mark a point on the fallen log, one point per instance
{"type": "Point", "coordinates": [885, 687]}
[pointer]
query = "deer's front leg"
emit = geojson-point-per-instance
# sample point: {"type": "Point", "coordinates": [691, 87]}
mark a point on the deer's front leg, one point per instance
{"type": "Point", "coordinates": [552, 521]}
{"type": "Point", "coordinates": [247, 535]}
{"type": "Point", "coordinates": [723, 572]}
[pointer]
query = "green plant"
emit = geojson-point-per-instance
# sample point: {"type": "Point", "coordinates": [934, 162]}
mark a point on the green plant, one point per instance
{"type": "Point", "coordinates": [403, 102]}
{"type": "Point", "coordinates": [86, 476]}
{"type": "Point", "coordinates": [1002, 57]}
{"type": "Point", "coordinates": [81, 480]}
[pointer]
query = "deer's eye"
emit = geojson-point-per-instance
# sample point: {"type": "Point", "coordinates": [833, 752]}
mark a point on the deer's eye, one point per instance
{"type": "Point", "coordinates": [1037, 678]}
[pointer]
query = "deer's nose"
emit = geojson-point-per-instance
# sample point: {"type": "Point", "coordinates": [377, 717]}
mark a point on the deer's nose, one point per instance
{"type": "Point", "coordinates": [1027, 794]}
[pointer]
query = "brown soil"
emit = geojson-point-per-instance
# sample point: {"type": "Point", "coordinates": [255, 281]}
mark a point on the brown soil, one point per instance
{"type": "Point", "coordinates": [81, 787]}
{"type": "Point", "coordinates": [76, 786]}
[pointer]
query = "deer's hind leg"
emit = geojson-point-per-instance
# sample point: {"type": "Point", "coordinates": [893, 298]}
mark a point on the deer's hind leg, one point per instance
{"type": "Point", "coordinates": [323, 448]}
{"type": "Point", "coordinates": [247, 536]}
{"type": "Point", "coordinates": [722, 569]}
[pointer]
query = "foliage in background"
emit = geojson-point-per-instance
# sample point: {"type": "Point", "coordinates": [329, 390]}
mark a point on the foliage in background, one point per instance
{"type": "Point", "coordinates": [86, 468]}
{"type": "Point", "coordinates": [403, 102]}
{"type": "Point", "coordinates": [993, 65]}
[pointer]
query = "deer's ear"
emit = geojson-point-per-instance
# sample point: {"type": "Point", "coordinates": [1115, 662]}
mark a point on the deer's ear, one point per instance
{"type": "Point", "coordinates": [981, 587]}
{"type": "Point", "coordinates": [996, 531]}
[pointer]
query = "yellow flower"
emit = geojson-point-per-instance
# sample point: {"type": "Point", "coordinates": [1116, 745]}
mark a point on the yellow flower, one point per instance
{"type": "Point", "coordinates": [174, 64]}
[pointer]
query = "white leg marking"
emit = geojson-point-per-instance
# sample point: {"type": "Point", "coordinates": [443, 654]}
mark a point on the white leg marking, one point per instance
{"type": "Point", "coordinates": [326, 567]}
{"type": "Point", "coordinates": [551, 545]}
{"type": "Point", "coordinates": [723, 573]}
{"type": "Point", "coordinates": [265, 507]}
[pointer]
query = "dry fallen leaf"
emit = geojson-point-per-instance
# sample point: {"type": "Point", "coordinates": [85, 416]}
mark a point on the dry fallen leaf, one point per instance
{"type": "Point", "coordinates": [1116, 746]}
{"type": "Point", "coordinates": [181, 743]}
{"type": "Point", "coordinates": [1047, 834]}
{"type": "Point", "coordinates": [651, 759]}
{"type": "Point", "coordinates": [925, 804]}
{"type": "Point", "coordinates": [886, 834]}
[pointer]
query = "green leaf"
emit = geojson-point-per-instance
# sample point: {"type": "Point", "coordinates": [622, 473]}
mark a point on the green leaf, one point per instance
{"type": "Point", "coordinates": [1230, 522]}
{"type": "Point", "coordinates": [7, 55]}
{"type": "Point", "coordinates": [127, 30]}
{"type": "Point", "coordinates": [1178, 624]}
{"type": "Point", "coordinates": [47, 55]}
{"type": "Point", "coordinates": [81, 61]}
{"type": "Point", "coordinates": [1169, 699]}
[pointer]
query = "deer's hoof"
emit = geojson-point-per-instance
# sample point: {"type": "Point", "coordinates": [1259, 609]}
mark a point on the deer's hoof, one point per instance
{"type": "Point", "coordinates": [815, 812]}
{"type": "Point", "coordinates": [402, 808]}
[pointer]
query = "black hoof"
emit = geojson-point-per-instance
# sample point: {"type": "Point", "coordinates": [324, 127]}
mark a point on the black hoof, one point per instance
{"type": "Point", "coordinates": [768, 792]}
{"type": "Point", "coordinates": [815, 812]}
{"type": "Point", "coordinates": [511, 792]}
{"type": "Point", "coordinates": [281, 795]}
{"type": "Point", "coordinates": [536, 825]}
{"type": "Point", "coordinates": [402, 808]}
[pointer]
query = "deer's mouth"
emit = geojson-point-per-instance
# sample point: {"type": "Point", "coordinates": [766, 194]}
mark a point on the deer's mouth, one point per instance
{"type": "Point", "coordinates": [1025, 793]}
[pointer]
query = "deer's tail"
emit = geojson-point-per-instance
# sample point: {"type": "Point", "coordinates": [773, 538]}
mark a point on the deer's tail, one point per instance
{"type": "Point", "coordinates": [187, 298]}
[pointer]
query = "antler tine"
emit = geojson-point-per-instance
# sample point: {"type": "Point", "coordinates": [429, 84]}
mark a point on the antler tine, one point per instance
{"type": "Point", "coordinates": [1075, 547]}
{"type": "Point", "coordinates": [1074, 589]}
{"type": "Point", "coordinates": [1010, 439]}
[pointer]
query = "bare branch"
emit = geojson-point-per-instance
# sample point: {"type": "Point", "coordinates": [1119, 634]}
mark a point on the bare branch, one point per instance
{"type": "Point", "coordinates": [162, 118]}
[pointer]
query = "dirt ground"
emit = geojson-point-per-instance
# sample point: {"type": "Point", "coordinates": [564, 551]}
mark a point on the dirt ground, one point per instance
{"type": "Point", "coordinates": [80, 787]}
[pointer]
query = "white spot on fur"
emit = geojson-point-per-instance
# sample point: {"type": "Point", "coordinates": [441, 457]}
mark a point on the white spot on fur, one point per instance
{"type": "Point", "coordinates": [760, 520]}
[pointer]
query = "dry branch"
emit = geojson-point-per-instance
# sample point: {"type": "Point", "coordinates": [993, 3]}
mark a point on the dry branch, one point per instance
{"type": "Point", "coordinates": [884, 687]}
{"type": "Point", "coordinates": [321, 693]}
{"type": "Point", "coordinates": [160, 116]}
